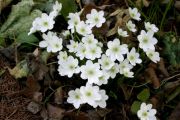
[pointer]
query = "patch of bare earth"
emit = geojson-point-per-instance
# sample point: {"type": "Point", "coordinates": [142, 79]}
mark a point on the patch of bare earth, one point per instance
{"type": "Point", "coordinates": [13, 105]}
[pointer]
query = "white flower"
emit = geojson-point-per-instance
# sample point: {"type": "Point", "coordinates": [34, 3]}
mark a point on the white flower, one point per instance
{"type": "Point", "coordinates": [122, 32]}
{"type": "Point", "coordinates": [46, 23]}
{"type": "Point", "coordinates": [90, 94]}
{"type": "Point", "coordinates": [69, 67]}
{"type": "Point", "coordinates": [89, 40]}
{"type": "Point", "coordinates": [66, 33]}
{"type": "Point", "coordinates": [131, 26]}
{"type": "Point", "coordinates": [93, 52]}
{"type": "Point", "coordinates": [83, 28]}
{"type": "Point", "coordinates": [73, 21]}
{"type": "Point", "coordinates": [115, 50]}
{"type": "Point", "coordinates": [127, 73]}
{"type": "Point", "coordinates": [95, 18]}
{"type": "Point", "coordinates": [91, 72]}
{"type": "Point", "coordinates": [154, 56]}
{"type": "Point", "coordinates": [124, 64]}
{"type": "Point", "coordinates": [133, 57]}
{"type": "Point", "coordinates": [62, 57]}
{"type": "Point", "coordinates": [73, 46]}
{"type": "Point", "coordinates": [102, 102]}
{"type": "Point", "coordinates": [42, 24]}
{"type": "Point", "coordinates": [147, 41]}
{"type": "Point", "coordinates": [81, 51]}
{"type": "Point", "coordinates": [146, 112]}
{"type": "Point", "coordinates": [105, 62]}
{"type": "Point", "coordinates": [134, 14]}
{"type": "Point", "coordinates": [103, 79]}
{"type": "Point", "coordinates": [56, 9]}
{"type": "Point", "coordinates": [113, 71]}
{"type": "Point", "coordinates": [52, 42]}
{"type": "Point", "coordinates": [151, 27]}
{"type": "Point", "coordinates": [75, 97]}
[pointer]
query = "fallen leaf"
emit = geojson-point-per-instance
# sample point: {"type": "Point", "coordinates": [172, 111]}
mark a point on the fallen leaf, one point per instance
{"type": "Point", "coordinates": [55, 113]}
{"type": "Point", "coordinates": [33, 107]}
{"type": "Point", "coordinates": [20, 70]}
{"type": "Point", "coordinates": [76, 116]}
{"type": "Point", "coordinates": [103, 111]}
{"type": "Point", "coordinates": [37, 96]}
{"type": "Point", "coordinates": [150, 75]}
{"type": "Point", "coordinates": [177, 4]}
{"type": "Point", "coordinates": [44, 114]}
{"type": "Point", "coordinates": [175, 115]}
{"type": "Point", "coordinates": [162, 68]}
{"type": "Point", "coordinates": [32, 86]}
{"type": "Point", "coordinates": [4, 3]}
{"type": "Point", "coordinates": [142, 3]}
{"type": "Point", "coordinates": [58, 96]}
{"type": "Point", "coordinates": [93, 115]}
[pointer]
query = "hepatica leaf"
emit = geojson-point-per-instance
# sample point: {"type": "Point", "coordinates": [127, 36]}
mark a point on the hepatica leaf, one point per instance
{"type": "Point", "coordinates": [68, 6]}
{"type": "Point", "coordinates": [144, 95]}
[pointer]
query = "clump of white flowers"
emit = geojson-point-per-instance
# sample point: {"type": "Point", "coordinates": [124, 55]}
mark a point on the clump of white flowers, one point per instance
{"type": "Point", "coordinates": [92, 60]}
{"type": "Point", "coordinates": [146, 112]}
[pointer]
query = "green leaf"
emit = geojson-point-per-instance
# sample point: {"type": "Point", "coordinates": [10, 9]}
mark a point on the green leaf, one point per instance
{"type": "Point", "coordinates": [172, 49]}
{"type": "Point", "coordinates": [25, 38]}
{"type": "Point", "coordinates": [113, 95]}
{"type": "Point", "coordinates": [68, 6]}
{"type": "Point", "coordinates": [135, 106]}
{"type": "Point", "coordinates": [144, 95]}
{"type": "Point", "coordinates": [20, 19]}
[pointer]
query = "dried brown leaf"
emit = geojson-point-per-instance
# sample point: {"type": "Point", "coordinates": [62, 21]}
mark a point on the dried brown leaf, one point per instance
{"type": "Point", "coordinates": [162, 68]}
{"type": "Point", "coordinates": [151, 75]}
{"type": "Point", "coordinates": [37, 96]}
{"type": "Point", "coordinates": [175, 115]}
{"type": "Point", "coordinates": [55, 113]}
{"type": "Point", "coordinates": [59, 95]}
{"type": "Point", "coordinates": [33, 107]}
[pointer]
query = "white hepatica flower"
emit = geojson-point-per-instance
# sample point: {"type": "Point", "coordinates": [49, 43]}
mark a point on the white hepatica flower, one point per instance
{"type": "Point", "coordinates": [146, 112]}
{"type": "Point", "coordinates": [113, 71]}
{"type": "Point", "coordinates": [122, 33]}
{"type": "Point", "coordinates": [73, 46]}
{"type": "Point", "coordinates": [73, 21]}
{"type": "Point", "coordinates": [90, 94]}
{"type": "Point", "coordinates": [115, 50]}
{"type": "Point", "coordinates": [81, 51]}
{"type": "Point", "coordinates": [133, 57]}
{"type": "Point", "coordinates": [147, 41]}
{"type": "Point", "coordinates": [105, 62]}
{"type": "Point", "coordinates": [69, 67]}
{"type": "Point", "coordinates": [124, 64]}
{"type": "Point", "coordinates": [151, 27]}
{"type": "Point", "coordinates": [83, 29]}
{"type": "Point", "coordinates": [66, 33]}
{"type": "Point", "coordinates": [91, 72]}
{"type": "Point", "coordinates": [95, 18]}
{"type": "Point", "coordinates": [103, 79]}
{"type": "Point", "coordinates": [131, 26]}
{"type": "Point", "coordinates": [56, 9]}
{"type": "Point", "coordinates": [75, 97]}
{"type": "Point", "coordinates": [127, 73]}
{"type": "Point", "coordinates": [93, 52]}
{"type": "Point", "coordinates": [42, 24]}
{"type": "Point", "coordinates": [154, 56]}
{"type": "Point", "coordinates": [89, 40]}
{"type": "Point", "coordinates": [102, 102]}
{"type": "Point", "coordinates": [62, 57]}
{"type": "Point", "coordinates": [134, 14]}
{"type": "Point", "coordinates": [52, 42]}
